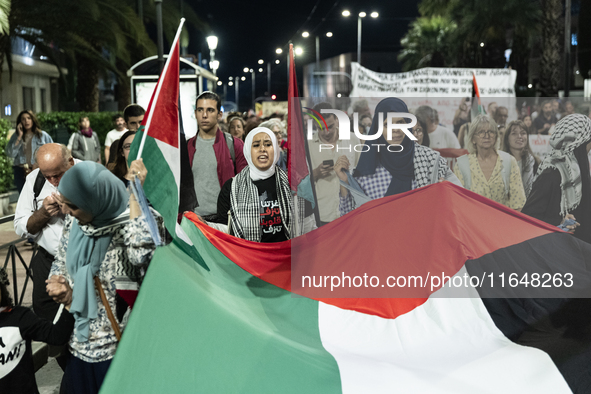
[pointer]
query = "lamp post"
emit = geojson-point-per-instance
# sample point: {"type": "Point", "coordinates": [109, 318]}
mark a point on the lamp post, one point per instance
{"type": "Point", "coordinates": [317, 42]}
{"type": "Point", "coordinates": [236, 92]}
{"type": "Point", "coordinates": [212, 43]}
{"type": "Point", "coordinates": [252, 74]}
{"type": "Point", "coordinates": [269, 78]}
{"type": "Point", "coordinates": [361, 15]}
{"type": "Point", "coordinates": [159, 30]}
{"type": "Point", "coordinates": [567, 44]}
{"type": "Point", "coordinates": [253, 87]}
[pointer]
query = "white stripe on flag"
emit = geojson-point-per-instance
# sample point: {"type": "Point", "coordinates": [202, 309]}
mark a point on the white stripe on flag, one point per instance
{"type": "Point", "coordinates": [447, 345]}
{"type": "Point", "coordinates": [172, 156]}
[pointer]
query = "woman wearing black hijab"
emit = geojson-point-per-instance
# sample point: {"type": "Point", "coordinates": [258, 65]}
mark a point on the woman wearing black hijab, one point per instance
{"type": "Point", "coordinates": [384, 169]}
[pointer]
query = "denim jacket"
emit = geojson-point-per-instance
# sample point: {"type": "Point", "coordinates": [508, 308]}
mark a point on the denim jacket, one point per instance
{"type": "Point", "coordinates": [17, 153]}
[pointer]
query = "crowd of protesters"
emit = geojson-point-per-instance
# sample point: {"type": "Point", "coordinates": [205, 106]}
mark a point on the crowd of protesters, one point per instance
{"type": "Point", "coordinates": [95, 245]}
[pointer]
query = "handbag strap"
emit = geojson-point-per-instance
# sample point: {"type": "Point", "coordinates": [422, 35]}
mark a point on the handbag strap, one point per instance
{"type": "Point", "coordinates": [110, 315]}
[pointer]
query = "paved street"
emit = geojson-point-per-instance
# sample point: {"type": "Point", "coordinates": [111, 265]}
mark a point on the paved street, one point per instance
{"type": "Point", "coordinates": [49, 376]}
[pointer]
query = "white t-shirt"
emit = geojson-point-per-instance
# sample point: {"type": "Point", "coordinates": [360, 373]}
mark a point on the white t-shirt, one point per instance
{"type": "Point", "coordinates": [113, 136]}
{"type": "Point", "coordinates": [443, 138]}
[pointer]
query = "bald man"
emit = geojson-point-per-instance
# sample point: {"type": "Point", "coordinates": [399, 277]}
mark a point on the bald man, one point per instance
{"type": "Point", "coordinates": [38, 216]}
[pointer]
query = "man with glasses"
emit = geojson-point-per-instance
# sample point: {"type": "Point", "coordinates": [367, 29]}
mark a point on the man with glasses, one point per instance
{"type": "Point", "coordinates": [38, 216]}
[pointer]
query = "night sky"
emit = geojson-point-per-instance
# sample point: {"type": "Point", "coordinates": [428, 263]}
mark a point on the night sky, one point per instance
{"type": "Point", "coordinates": [249, 31]}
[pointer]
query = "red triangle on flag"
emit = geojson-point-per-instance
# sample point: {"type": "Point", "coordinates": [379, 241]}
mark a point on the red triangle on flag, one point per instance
{"type": "Point", "coordinates": [162, 117]}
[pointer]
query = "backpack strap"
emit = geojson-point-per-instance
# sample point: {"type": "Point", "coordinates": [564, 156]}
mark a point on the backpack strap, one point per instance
{"type": "Point", "coordinates": [37, 186]}
{"type": "Point", "coordinates": [506, 162]}
{"type": "Point", "coordinates": [464, 166]}
{"type": "Point", "coordinates": [230, 142]}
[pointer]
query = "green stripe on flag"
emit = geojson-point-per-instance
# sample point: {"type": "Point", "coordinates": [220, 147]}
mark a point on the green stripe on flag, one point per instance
{"type": "Point", "coordinates": [160, 187]}
{"type": "Point", "coordinates": [218, 331]}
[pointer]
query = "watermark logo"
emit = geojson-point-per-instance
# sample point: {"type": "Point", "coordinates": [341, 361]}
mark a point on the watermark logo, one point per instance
{"type": "Point", "coordinates": [345, 124]}
{"type": "Point", "coordinates": [315, 115]}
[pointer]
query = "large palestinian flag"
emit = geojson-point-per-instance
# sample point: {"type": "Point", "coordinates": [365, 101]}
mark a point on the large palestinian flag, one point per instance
{"type": "Point", "coordinates": [228, 323]}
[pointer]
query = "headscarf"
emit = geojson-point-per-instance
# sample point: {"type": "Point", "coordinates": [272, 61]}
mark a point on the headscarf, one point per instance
{"type": "Point", "coordinates": [255, 173]}
{"type": "Point", "coordinates": [571, 132]}
{"type": "Point", "coordinates": [398, 164]}
{"type": "Point", "coordinates": [94, 189]}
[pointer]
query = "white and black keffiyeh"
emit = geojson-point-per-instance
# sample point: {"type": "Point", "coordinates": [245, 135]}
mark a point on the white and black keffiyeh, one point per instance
{"type": "Point", "coordinates": [424, 162]}
{"type": "Point", "coordinates": [571, 132]}
{"type": "Point", "coordinates": [245, 209]}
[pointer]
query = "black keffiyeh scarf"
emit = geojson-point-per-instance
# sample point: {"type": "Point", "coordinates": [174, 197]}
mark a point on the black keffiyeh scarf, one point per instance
{"type": "Point", "coordinates": [245, 209]}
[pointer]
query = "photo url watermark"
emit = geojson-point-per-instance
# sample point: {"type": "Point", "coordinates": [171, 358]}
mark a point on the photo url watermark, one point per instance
{"type": "Point", "coordinates": [434, 282]}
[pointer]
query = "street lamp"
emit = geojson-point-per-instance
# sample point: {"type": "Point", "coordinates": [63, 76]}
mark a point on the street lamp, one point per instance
{"type": "Point", "coordinates": [299, 51]}
{"type": "Point", "coordinates": [212, 43]}
{"type": "Point", "coordinates": [236, 93]}
{"type": "Point", "coordinates": [279, 51]}
{"type": "Point", "coordinates": [362, 14]}
{"type": "Point", "coordinates": [214, 65]}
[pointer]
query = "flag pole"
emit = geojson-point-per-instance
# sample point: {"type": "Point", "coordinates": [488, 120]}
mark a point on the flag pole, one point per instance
{"type": "Point", "coordinates": [158, 86]}
{"type": "Point", "coordinates": [291, 59]}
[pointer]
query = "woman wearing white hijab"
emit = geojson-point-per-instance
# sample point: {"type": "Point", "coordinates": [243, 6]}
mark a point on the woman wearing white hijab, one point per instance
{"type": "Point", "coordinates": [259, 198]}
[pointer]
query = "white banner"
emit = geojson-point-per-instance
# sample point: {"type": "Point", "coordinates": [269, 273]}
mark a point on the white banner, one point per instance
{"type": "Point", "coordinates": [432, 82]}
{"type": "Point", "coordinates": [440, 88]}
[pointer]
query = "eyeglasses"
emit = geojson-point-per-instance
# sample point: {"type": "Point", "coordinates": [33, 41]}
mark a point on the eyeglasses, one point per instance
{"type": "Point", "coordinates": [522, 134]}
{"type": "Point", "coordinates": [482, 133]}
{"type": "Point", "coordinates": [126, 146]}
{"type": "Point", "coordinates": [417, 131]}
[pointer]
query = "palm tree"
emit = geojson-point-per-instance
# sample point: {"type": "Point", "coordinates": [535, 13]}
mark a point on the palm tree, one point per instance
{"type": "Point", "coordinates": [550, 62]}
{"type": "Point", "coordinates": [481, 35]}
{"type": "Point", "coordinates": [95, 36]}
{"type": "Point", "coordinates": [427, 43]}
